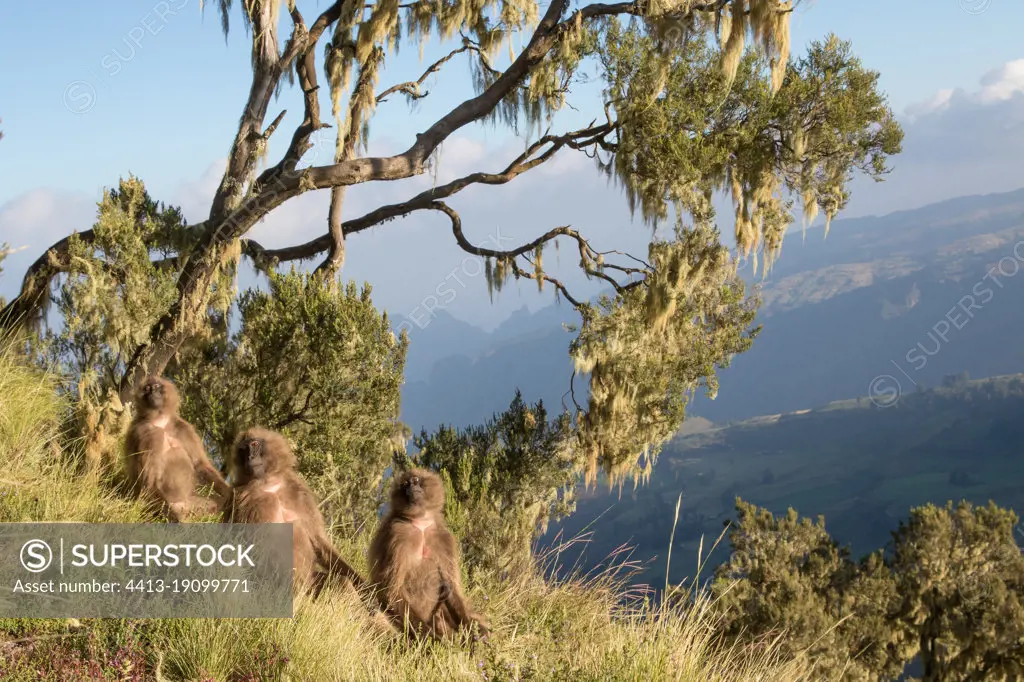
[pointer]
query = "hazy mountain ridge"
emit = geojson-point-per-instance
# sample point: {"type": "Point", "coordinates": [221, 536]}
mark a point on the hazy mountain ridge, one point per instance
{"type": "Point", "coordinates": [942, 307]}
{"type": "Point", "coordinates": [837, 312]}
{"type": "Point", "coordinates": [936, 235]}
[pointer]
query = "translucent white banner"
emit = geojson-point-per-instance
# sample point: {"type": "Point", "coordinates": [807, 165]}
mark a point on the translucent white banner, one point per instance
{"type": "Point", "coordinates": [145, 570]}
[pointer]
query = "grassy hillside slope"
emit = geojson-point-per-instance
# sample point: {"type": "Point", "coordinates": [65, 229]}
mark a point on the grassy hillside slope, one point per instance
{"type": "Point", "coordinates": [577, 629]}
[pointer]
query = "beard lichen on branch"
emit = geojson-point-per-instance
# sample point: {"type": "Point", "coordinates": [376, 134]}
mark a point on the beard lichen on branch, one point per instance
{"type": "Point", "coordinates": [699, 97]}
{"type": "Point", "coordinates": [688, 128]}
{"type": "Point", "coordinates": [648, 348]}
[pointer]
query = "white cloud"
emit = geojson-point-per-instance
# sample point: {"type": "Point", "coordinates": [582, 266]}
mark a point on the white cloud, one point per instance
{"type": "Point", "coordinates": [459, 156]}
{"type": "Point", "coordinates": [998, 85]}
{"type": "Point", "coordinates": [936, 102]}
{"type": "Point", "coordinates": [958, 142]}
{"type": "Point", "coordinates": [1003, 83]}
{"type": "Point", "coordinates": [32, 221]}
{"type": "Point", "coordinates": [194, 196]}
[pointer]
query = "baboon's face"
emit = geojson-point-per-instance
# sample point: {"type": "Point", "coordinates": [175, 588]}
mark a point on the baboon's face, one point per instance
{"type": "Point", "coordinates": [251, 457]}
{"type": "Point", "coordinates": [152, 394]}
{"type": "Point", "coordinates": [412, 488]}
{"type": "Point", "coordinates": [418, 491]}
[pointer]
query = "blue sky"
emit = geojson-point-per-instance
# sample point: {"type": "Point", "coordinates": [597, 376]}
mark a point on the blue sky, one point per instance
{"type": "Point", "coordinates": [171, 109]}
{"type": "Point", "coordinates": [166, 106]}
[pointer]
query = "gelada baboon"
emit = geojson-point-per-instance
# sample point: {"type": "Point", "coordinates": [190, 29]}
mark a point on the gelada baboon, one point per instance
{"type": "Point", "coordinates": [267, 489]}
{"type": "Point", "coordinates": [414, 561]}
{"type": "Point", "coordinates": [164, 458]}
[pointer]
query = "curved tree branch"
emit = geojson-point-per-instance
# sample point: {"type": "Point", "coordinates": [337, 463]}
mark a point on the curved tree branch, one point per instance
{"type": "Point", "coordinates": [587, 254]}
{"type": "Point", "coordinates": [24, 308]}
{"type": "Point", "coordinates": [528, 160]}
{"type": "Point", "coordinates": [239, 205]}
{"type": "Point", "coordinates": [412, 88]}
{"type": "Point", "coordinates": [516, 270]}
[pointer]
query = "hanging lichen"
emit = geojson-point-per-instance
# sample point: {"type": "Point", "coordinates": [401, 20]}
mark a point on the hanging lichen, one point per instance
{"type": "Point", "coordinates": [538, 266]}
{"type": "Point", "coordinates": [362, 103]}
{"type": "Point", "coordinates": [489, 276]}
{"type": "Point", "coordinates": [757, 136]}
{"type": "Point", "coordinates": [732, 51]}
{"type": "Point", "coordinates": [701, 98]}
{"type": "Point", "coordinates": [646, 349]}
{"type": "Point", "coordinates": [261, 15]}
{"type": "Point", "coordinates": [340, 53]}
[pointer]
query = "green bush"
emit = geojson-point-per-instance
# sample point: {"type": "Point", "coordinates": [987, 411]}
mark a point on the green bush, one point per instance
{"type": "Point", "coordinates": [504, 480]}
{"type": "Point", "coordinates": [570, 630]}
{"type": "Point", "coordinates": [319, 364]}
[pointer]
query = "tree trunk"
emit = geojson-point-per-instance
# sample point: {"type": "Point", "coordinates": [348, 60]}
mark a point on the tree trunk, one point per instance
{"type": "Point", "coordinates": [185, 317]}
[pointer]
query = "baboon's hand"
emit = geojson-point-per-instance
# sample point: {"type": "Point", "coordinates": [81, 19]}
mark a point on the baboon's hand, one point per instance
{"type": "Point", "coordinates": [482, 624]}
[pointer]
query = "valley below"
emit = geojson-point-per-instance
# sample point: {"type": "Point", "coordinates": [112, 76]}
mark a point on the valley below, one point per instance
{"type": "Point", "coordinates": [855, 402]}
{"type": "Point", "coordinates": [861, 466]}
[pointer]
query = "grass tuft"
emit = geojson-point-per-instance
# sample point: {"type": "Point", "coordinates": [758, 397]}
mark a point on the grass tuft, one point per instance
{"type": "Point", "coordinates": [580, 628]}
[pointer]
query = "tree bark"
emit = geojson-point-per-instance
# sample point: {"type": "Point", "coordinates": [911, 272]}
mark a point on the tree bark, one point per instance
{"type": "Point", "coordinates": [241, 201]}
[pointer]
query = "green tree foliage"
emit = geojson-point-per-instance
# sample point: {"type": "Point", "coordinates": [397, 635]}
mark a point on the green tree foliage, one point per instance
{"type": "Point", "coordinates": [112, 294]}
{"type": "Point", "coordinates": [947, 593]}
{"type": "Point", "coordinates": [786, 574]}
{"type": "Point", "coordinates": [697, 98]}
{"type": "Point", "coordinates": [700, 132]}
{"type": "Point", "coordinates": [960, 574]}
{"type": "Point", "coordinates": [318, 363]}
{"type": "Point", "coordinates": [648, 348]}
{"type": "Point", "coordinates": [688, 129]}
{"type": "Point", "coordinates": [505, 480]}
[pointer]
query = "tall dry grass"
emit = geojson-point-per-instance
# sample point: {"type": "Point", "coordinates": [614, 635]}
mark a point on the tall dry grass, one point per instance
{"type": "Point", "coordinates": [584, 627]}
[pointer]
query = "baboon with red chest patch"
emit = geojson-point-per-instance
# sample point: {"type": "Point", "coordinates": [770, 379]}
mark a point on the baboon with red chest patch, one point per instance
{"type": "Point", "coordinates": [268, 489]}
{"type": "Point", "coordinates": [165, 460]}
{"type": "Point", "coordinates": [414, 561]}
